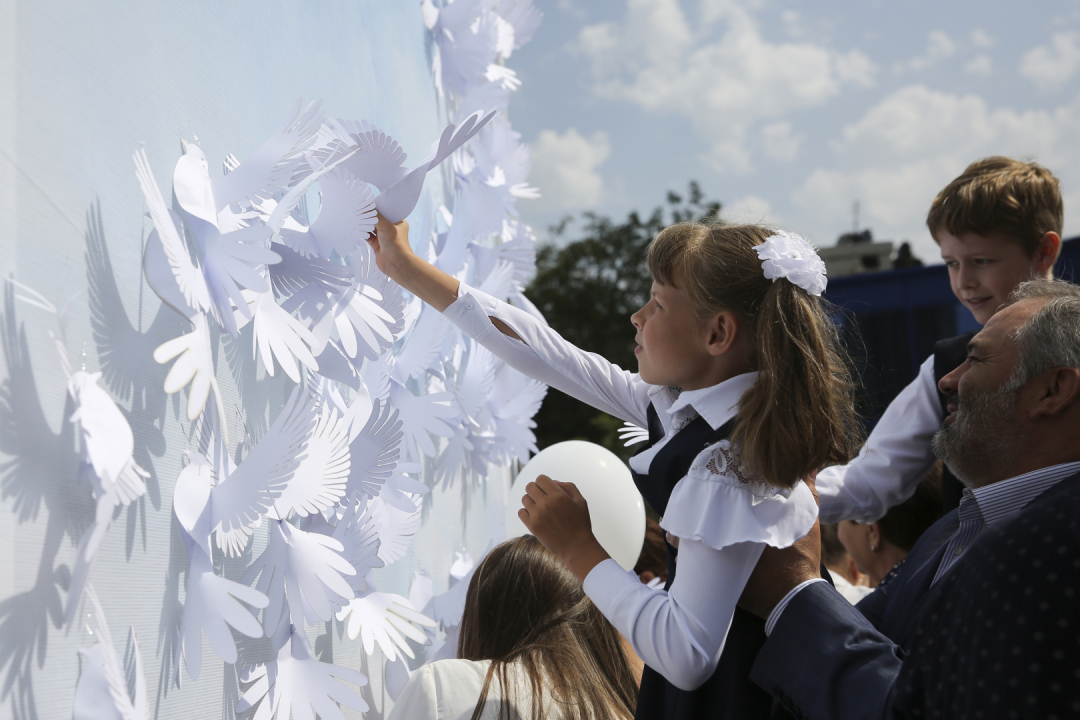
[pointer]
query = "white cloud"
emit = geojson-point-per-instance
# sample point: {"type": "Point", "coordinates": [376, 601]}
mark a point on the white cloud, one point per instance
{"type": "Point", "coordinates": [719, 71]}
{"type": "Point", "coordinates": [1050, 66]}
{"type": "Point", "coordinates": [981, 39]}
{"type": "Point", "coordinates": [980, 65]}
{"type": "Point", "coordinates": [938, 47]}
{"type": "Point", "coordinates": [571, 9]}
{"type": "Point", "coordinates": [779, 142]}
{"type": "Point", "coordinates": [896, 157]}
{"type": "Point", "coordinates": [565, 169]}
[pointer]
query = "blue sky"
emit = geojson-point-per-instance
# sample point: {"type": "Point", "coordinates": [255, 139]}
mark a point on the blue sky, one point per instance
{"type": "Point", "coordinates": [789, 112]}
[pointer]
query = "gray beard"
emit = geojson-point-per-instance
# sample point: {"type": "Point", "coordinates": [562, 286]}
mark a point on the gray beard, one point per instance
{"type": "Point", "coordinates": [981, 439]}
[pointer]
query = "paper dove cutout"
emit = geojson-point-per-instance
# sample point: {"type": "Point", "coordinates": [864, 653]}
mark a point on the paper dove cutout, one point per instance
{"type": "Point", "coordinates": [346, 217]}
{"type": "Point", "coordinates": [386, 619]}
{"type": "Point", "coordinates": [514, 400]}
{"type": "Point", "coordinates": [374, 451]}
{"type": "Point", "coordinates": [379, 163]}
{"type": "Point", "coordinates": [296, 684]}
{"type": "Point", "coordinates": [358, 532]}
{"type": "Point", "coordinates": [117, 480]}
{"type": "Point", "coordinates": [396, 528]}
{"type": "Point", "coordinates": [421, 417]}
{"type": "Point", "coordinates": [102, 690]}
{"type": "Point", "coordinates": [304, 570]}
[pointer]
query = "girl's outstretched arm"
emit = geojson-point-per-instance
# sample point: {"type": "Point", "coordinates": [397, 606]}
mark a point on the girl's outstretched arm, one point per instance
{"type": "Point", "coordinates": [517, 338]}
{"type": "Point", "coordinates": [396, 259]}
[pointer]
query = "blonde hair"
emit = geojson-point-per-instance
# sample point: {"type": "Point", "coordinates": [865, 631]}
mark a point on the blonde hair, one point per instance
{"type": "Point", "coordinates": [799, 415]}
{"type": "Point", "coordinates": [1020, 200]}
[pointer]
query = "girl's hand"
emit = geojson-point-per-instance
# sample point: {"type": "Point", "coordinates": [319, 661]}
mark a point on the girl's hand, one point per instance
{"type": "Point", "coordinates": [557, 514]}
{"type": "Point", "coordinates": [390, 243]}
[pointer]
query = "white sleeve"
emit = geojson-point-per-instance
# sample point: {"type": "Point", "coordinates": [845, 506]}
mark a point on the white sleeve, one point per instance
{"type": "Point", "coordinates": [894, 459]}
{"type": "Point", "coordinates": [679, 633]}
{"type": "Point", "coordinates": [419, 700]}
{"type": "Point", "coordinates": [546, 356]}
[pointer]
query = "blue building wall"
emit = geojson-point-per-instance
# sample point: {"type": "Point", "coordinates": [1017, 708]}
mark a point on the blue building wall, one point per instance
{"type": "Point", "coordinates": [892, 320]}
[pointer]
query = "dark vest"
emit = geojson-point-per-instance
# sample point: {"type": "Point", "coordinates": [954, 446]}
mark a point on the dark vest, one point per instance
{"type": "Point", "coordinates": [949, 354]}
{"type": "Point", "coordinates": [728, 693]}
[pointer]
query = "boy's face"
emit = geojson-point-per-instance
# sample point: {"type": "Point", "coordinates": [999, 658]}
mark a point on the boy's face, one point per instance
{"type": "Point", "coordinates": [983, 270]}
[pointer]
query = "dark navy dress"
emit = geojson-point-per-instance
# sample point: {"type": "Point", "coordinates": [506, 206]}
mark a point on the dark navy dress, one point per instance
{"type": "Point", "coordinates": [729, 692]}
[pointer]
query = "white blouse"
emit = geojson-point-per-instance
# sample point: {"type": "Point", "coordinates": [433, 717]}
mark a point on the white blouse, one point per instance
{"type": "Point", "coordinates": [450, 689]}
{"type": "Point", "coordinates": [723, 520]}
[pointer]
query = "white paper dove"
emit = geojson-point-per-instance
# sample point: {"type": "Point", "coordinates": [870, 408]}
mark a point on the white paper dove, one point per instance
{"type": "Point", "coordinates": [421, 417]}
{"type": "Point", "coordinates": [386, 619]}
{"type": "Point", "coordinates": [631, 434]}
{"type": "Point", "coordinates": [358, 532]}
{"type": "Point", "coordinates": [102, 690]}
{"type": "Point", "coordinates": [374, 451]}
{"type": "Point", "coordinates": [116, 479]}
{"type": "Point", "coordinates": [514, 400]}
{"type": "Point", "coordinates": [346, 217]}
{"type": "Point", "coordinates": [297, 685]}
{"type": "Point", "coordinates": [380, 160]}
{"type": "Point", "coordinates": [396, 528]}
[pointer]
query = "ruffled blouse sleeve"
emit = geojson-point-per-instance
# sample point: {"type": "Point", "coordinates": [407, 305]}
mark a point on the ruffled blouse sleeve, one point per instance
{"type": "Point", "coordinates": [719, 504]}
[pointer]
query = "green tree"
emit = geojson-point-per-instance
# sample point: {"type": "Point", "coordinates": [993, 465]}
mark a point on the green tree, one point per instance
{"type": "Point", "coordinates": [587, 289]}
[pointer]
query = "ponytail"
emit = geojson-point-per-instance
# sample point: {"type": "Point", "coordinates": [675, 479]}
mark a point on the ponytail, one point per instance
{"type": "Point", "coordinates": [799, 415]}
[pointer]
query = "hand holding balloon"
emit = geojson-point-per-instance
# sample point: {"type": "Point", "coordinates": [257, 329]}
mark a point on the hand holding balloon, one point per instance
{"type": "Point", "coordinates": [557, 514]}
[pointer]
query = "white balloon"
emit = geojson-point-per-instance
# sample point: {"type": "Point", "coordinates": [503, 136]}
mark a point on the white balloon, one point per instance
{"type": "Point", "coordinates": [615, 505]}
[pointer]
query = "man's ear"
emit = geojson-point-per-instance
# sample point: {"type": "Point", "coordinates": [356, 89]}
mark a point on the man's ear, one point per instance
{"type": "Point", "coordinates": [873, 534]}
{"type": "Point", "coordinates": [1046, 254]}
{"type": "Point", "coordinates": [1056, 391]}
{"type": "Point", "coordinates": [721, 332]}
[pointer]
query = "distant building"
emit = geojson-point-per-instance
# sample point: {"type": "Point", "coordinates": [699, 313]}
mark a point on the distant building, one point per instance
{"type": "Point", "coordinates": [856, 252]}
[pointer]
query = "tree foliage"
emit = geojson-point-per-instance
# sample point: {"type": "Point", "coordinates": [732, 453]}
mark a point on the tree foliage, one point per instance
{"type": "Point", "coordinates": [587, 289]}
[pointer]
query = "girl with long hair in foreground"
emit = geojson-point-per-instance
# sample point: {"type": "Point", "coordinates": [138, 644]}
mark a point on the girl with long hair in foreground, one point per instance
{"type": "Point", "coordinates": [532, 647]}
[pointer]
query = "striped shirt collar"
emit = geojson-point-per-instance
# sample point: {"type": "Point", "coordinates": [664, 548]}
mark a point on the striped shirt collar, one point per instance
{"type": "Point", "coordinates": [1001, 499]}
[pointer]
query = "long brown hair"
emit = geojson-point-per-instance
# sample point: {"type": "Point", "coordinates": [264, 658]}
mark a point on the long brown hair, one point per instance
{"type": "Point", "coordinates": [523, 606]}
{"type": "Point", "coordinates": [799, 416]}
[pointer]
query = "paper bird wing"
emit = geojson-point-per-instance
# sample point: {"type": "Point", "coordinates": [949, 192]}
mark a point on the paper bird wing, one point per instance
{"type": "Point", "coordinates": [322, 475]}
{"type": "Point", "coordinates": [278, 335]}
{"type": "Point", "coordinates": [477, 380]}
{"type": "Point", "coordinates": [112, 670]}
{"type": "Point", "coordinates": [422, 347]}
{"type": "Point", "coordinates": [523, 17]}
{"type": "Point", "coordinates": [465, 53]}
{"type": "Point", "coordinates": [377, 376]}
{"type": "Point", "coordinates": [296, 271]}
{"type": "Point", "coordinates": [631, 434]}
{"type": "Point", "coordinates": [212, 605]}
{"type": "Point", "coordinates": [455, 456]}
{"type": "Point", "coordinates": [358, 532]}
{"type": "Point", "coordinates": [167, 264]}
{"type": "Point", "coordinates": [423, 416]}
{"type": "Point", "coordinates": [346, 216]}
{"type": "Point", "coordinates": [304, 570]}
{"type": "Point", "coordinates": [374, 452]}
{"type": "Point", "coordinates": [380, 159]}
{"type": "Point", "coordinates": [386, 619]}
{"type": "Point", "coordinates": [252, 489]}
{"type": "Point", "coordinates": [363, 323]}
{"type": "Point", "coordinates": [514, 400]}
{"type": "Point", "coordinates": [395, 487]}
{"type": "Point", "coordinates": [298, 686]}
{"type": "Point", "coordinates": [500, 281]}
{"type": "Point", "coordinates": [396, 528]}
{"type": "Point", "coordinates": [273, 165]}
{"type": "Point", "coordinates": [449, 607]}
{"type": "Point", "coordinates": [234, 260]}
{"type": "Point", "coordinates": [195, 365]}
{"type": "Point", "coordinates": [317, 165]}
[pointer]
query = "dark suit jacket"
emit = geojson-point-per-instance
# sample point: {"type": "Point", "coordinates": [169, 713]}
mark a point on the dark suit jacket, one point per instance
{"type": "Point", "coordinates": [998, 635]}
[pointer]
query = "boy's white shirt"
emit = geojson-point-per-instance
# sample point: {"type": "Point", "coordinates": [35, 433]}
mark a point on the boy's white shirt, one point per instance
{"type": "Point", "coordinates": [894, 459]}
{"type": "Point", "coordinates": [723, 522]}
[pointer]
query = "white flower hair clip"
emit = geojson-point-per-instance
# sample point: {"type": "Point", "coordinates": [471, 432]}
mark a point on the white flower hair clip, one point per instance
{"type": "Point", "coordinates": [787, 255]}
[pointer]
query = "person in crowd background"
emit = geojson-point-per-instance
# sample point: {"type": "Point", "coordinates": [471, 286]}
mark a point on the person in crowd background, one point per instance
{"type": "Point", "coordinates": [743, 388]}
{"type": "Point", "coordinates": [981, 620]}
{"type": "Point", "coordinates": [532, 647]}
{"type": "Point", "coordinates": [879, 549]}
{"type": "Point", "coordinates": [846, 577]}
{"type": "Point", "coordinates": [998, 224]}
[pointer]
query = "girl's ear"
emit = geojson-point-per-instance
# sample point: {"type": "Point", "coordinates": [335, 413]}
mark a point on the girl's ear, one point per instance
{"type": "Point", "coordinates": [722, 331]}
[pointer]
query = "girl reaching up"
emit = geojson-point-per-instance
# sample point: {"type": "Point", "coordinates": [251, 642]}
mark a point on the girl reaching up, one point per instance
{"type": "Point", "coordinates": [743, 389]}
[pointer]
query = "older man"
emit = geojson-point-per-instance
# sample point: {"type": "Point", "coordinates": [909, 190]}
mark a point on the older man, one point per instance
{"type": "Point", "coordinates": [982, 620]}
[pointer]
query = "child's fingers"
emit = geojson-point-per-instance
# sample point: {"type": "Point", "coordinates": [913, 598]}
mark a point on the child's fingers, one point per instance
{"type": "Point", "coordinates": [571, 489]}
{"type": "Point", "coordinates": [548, 486]}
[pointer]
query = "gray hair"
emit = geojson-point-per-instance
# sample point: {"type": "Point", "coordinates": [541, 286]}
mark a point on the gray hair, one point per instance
{"type": "Point", "coordinates": [1051, 336]}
